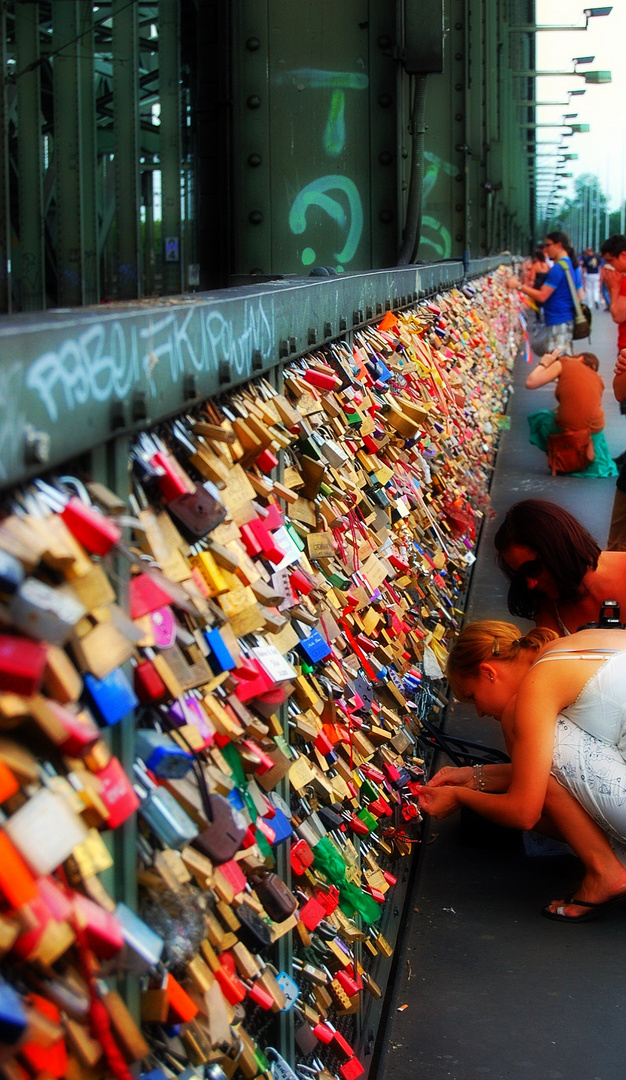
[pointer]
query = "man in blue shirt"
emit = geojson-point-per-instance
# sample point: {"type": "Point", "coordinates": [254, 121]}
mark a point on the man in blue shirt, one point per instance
{"type": "Point", "coordinates": [555, 295]}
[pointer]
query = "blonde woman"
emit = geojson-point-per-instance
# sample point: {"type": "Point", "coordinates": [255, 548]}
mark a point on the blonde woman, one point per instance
{"type": "Point", "coordinates": [562, 706]}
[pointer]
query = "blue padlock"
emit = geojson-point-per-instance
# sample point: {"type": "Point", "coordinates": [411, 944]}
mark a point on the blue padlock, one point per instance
{"type": "Point", "coordinates": [220, 654]}
{"type": "Point", "coordinates": [290, 989]}
{"type": "Point", "coordinates": [314, 647]}
{"type": "Point", "coordinates": [162, 755]}
{"type": "Point", "coordinates": [112, 697]}
{"type": "Point", "coordinates": [13, 1018]}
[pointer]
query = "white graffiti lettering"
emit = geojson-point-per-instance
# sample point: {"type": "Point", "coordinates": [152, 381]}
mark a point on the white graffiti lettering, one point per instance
{"type": "Point", "coordinates": [111, 358]}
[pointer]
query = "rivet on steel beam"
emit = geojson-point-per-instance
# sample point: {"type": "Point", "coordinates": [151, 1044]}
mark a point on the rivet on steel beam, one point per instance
{"type": "Point", "coordinates": [253, 101]}
{"type": "Point", "coordinates": [118, 415]}
{"type": "Point", "coordinates": [139, 406]}
{"type": "Point", "coordinates": [252, 44]}
{"type": "Point", "coordinates": [311, 336]}
{"type": "Point", "coordinates": [328, 329]}
{"type": "Point", "coordinates": [257, 360]}
{"type": "Point", "coordinates": [36, 446]}
{"type": "Point", "coordinates": [190, 387]}
{"type": "Point", "coordinates": [255, 217]}
{"type": "Point", "coordinates": [254, 160]}
{"type": "Point", "coordinates": [223, 372]}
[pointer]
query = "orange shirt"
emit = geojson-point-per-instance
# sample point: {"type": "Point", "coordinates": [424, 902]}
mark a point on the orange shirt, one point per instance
{"type": "Point", "coordinates": [579, 394]}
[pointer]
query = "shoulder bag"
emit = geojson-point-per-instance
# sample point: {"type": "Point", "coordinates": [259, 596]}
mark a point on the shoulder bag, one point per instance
{"type": "Point", "coordinates": [582, 317]}
{"type": "Point", "coordinates": [570, 451]}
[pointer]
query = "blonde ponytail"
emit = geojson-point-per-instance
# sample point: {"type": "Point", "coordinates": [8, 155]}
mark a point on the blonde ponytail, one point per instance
{"type": "Point", "coordinates": [487, 640]}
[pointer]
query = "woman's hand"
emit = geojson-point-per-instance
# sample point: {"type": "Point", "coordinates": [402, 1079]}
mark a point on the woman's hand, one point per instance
{"type": "Point", "coordinates": [513, 282]}
{"type": "Point", "coordinates": [439, 802]}
{"type": "Point", "coordinates": [452, 776]}
{"type": "Point", "coordinates": [620, 365]}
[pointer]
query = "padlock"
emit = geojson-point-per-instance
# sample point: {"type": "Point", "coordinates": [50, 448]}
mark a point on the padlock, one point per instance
{"type": "Point", "coordinates": [45, 830]}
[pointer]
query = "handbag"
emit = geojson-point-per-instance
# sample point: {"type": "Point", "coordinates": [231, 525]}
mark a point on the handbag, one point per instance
{"type": "Point", "coordinates": [582, 313]}
{"type": "Point", "coordinates": [570, 451]}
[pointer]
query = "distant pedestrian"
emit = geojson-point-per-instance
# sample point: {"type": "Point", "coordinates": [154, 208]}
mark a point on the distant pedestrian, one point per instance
{"type": "Point", "coordinates": [591, 277]}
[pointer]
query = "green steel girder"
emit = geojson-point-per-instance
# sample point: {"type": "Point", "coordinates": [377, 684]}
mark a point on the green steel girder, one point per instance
{"type": "Point", "coordinates": [75, 380]}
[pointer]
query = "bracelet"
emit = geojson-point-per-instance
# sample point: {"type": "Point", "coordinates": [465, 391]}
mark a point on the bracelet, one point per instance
{"type": "Point", "coordinates": [479, 777]}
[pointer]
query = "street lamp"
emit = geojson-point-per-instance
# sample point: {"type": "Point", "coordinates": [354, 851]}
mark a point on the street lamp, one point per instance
{"type": "Point", "coordinates": [593, 77]}
{"type": "Point", "coordinates": [589, 13]}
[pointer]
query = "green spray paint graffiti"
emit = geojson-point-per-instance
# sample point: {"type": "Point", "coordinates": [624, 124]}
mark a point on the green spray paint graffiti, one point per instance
{"type": "Point", "coordinates": [435, 235]}
{"type": "Point", "coordinates": [314, 194]}
{"type": "Point", "coordinates": [349, 218]}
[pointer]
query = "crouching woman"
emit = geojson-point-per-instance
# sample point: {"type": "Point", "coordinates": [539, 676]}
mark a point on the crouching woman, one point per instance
{"type": "Point", "coordinates": [578, 392]}
{"type": "Point", "coordinates": [562, 708]}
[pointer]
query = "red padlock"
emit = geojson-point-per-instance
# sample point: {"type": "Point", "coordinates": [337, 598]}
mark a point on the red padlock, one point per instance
{"type": "Point", "coordinates": [97, 533]}
{"type": "Point", "coordinates": [351, 1069]}
{"type": "Point", "coordinates": [321, 379]}
{"type": "Point", "coordinates": [312, 913]}
{"type": "Point", "coordinates": [301, 856]}
{"type": "Point", "coordinates": [22, 665]}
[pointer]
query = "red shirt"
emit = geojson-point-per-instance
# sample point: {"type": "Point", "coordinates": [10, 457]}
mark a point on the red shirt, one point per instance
{"type": "Point", "coordinates": [621, 332]}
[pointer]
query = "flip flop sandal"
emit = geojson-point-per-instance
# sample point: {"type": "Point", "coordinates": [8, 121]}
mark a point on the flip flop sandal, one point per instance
{"type": "Point", "coordinates": [591, 910]}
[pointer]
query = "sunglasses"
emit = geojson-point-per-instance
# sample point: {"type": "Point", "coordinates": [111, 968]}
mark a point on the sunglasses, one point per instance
{"type": "Point", "coordinates": [531, 569]}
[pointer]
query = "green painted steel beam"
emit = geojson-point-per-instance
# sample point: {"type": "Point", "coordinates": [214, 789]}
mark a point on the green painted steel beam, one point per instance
{"type": "Point", "coordinates": [67, 153]}
{"type": "Point", "coordinates": [30, 159]}
{"type": "Point", "coordinates": [171, 120]}
{"type": "Point", "coordinates": [125, 48]}
{"type": "Point", "coordinates": [88, 165]}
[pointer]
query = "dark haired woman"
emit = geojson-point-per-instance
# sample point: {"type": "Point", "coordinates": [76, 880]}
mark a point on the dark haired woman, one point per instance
{"type": "Point", "coordinates": [559, 575]}
{"type": "Point", "coordinates": [555, 294]}
{"type": "Point", "coordinates": [563, 713]}
{"type": "Point", "coordinates": [538, 270]}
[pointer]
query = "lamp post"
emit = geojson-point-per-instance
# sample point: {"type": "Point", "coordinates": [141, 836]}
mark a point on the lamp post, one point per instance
{"type": "Point", "coordinates": [589, 13]}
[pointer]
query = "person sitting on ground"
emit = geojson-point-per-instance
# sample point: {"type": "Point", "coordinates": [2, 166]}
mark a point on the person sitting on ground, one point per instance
{"type": "Point", "coordinates": [559, 576]}
{"type": "Point", "coordinates": [563, 715]}
{"type": "Point", "coordinates": [578, 392]}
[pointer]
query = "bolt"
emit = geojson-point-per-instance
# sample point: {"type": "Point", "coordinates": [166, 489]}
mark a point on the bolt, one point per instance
{"type": "Point", "coordinates": [254, 160]}
{"type": "Point", "coordinates": [255, 217]}
{"type": "Point", "coordinates": [36, 446]}
{"type": "Point", "coordinates": [253, 101]}
{"type": "Point", "coordinates": [252, 44]}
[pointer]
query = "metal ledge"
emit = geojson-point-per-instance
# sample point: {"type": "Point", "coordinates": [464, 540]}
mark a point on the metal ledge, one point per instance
{"type": "Point", "coordinates": [72, 379]}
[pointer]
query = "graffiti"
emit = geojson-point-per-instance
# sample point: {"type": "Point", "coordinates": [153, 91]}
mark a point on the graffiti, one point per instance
{"type": "Point", "coordinates": [314, 194]}
{"type": "Point", "coordinates": [349, 219]}
{"type": "Point", "coordinates": [435, 235]}
{"type": "Point", "coordinates": [108, 359]}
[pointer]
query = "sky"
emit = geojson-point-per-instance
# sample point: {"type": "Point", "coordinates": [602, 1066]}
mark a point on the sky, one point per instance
{"type": "Point", "coordinates": [602, 150]}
